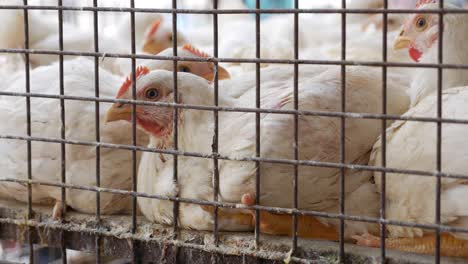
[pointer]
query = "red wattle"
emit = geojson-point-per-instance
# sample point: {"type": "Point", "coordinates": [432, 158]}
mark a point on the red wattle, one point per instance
{"type": "Point", "coordinates": [415, 54]}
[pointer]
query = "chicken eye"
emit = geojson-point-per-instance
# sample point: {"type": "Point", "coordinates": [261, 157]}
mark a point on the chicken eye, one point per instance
{"type": "Point", "coordinates": [184, 68]}
{"type": "Point", "coordinates": [421, 22]}
{"type": "Point", "coordinates": [152, 94]}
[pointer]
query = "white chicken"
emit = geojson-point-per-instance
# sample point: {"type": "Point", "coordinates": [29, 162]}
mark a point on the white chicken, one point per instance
{"type": "Point", "coordinates": [420, 35]}
{"type": "Point", "coordinates": [202, 69]}
{"type": "Point", "coordinates": [159, 36]}
{"type": "Point", "coordinates": [45, 122]}
{"type": "Point", "coordinates": [412, 146]}
{"type": "Point", "coordinates": [80, 119]}
{"type": "Point", "coordinates": [43, 33]}
{"type": "Point", "coordinates": [319, 136]}
{"type": "Point", "coordinates": [153, 34]}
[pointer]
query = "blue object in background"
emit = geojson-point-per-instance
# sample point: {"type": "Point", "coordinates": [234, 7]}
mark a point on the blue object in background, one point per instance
{"type": "Point", "coordinates": [270, 4]}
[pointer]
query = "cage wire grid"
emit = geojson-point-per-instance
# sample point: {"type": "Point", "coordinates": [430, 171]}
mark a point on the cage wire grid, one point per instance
{"type": "Point", "coordinates": [95, 10]}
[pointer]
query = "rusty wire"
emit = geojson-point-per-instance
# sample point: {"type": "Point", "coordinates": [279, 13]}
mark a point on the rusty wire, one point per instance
{"type": "Point", "coordinates": [214, 155]}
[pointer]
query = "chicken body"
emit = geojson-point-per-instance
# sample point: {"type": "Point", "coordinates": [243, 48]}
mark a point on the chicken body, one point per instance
{"type": "Point", "coordinates": [80, 163]}
{"type": "Point", "coordinates": [319, 140]}
{"type": "Point", "coordinates": [115, 169]}
{"type": "Point", "coordinates": [413, 146]}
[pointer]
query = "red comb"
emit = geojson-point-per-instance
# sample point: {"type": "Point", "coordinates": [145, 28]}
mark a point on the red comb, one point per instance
{"type": "Point", "coordinates": [195, 51]}
{"type": "Point", "coordinates": [140, 71]}
{"type": "Point", "coordinates": [155, 26]}
{"type": "Point", "coordinates": [424, 2]}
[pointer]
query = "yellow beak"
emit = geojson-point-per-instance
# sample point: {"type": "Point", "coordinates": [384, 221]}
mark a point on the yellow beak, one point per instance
{"type": "Point", "coordinates": [401, 43]}
{"type": "Point", "coordinates": [119, 111]}
{"type": "Point", "coordinates": [222, 74]}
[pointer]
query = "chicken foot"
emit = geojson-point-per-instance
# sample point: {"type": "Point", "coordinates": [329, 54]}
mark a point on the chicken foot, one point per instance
{"type": "Point", "coordinates": [280, 224]}
{"type": "Point", "coordinates": [230, 217]}
{"type": "Point", "coordinates": [57, 211]}
{"type": "Point", "coordinates": [450, 246]}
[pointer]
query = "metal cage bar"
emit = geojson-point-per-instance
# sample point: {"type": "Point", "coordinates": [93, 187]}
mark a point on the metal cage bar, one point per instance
{"type": "Point", "coordinates": [98, 130]}
{"type": "Point", "coordinates": [135, 244]}
{"type": "Point", "coordinates": [383, 178]}
{"type": "Point", "coordinates": [62, 131]}
{"type": "Point", "coordinates": [296, 128]}
{"type": "Point", "coordinates": [215, 125]}
{"type": "Point", "coordinates": [437, 227]}
{"type": "Point", "coordinates": [28, 129]}
{"type": "Point", "coordinates": [239, 11]}
{"type": "Point", "coordinates": [439, 133]}
{"type": "Point", "coordinates": [342, 133]}
{"type": "Point", "coordinates": [257, 123]}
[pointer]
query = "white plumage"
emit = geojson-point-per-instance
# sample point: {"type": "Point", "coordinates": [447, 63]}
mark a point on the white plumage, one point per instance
{"type": "Point", "coordinates": [115, 169]}
{"type": "Point", "coordinates": [413, 146]}
{"type": "Point", "coordinates": [79, 119]}
{"type": "Point", "coordinates": [319, 141]}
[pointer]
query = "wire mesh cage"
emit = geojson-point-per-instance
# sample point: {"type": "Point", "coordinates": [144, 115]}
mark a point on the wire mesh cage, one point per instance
{"type": "Point", "coordinates": [301, 125]}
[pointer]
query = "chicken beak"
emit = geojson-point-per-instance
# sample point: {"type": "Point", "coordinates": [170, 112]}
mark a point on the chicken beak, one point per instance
{"type": "Point", "coordinates": [401, 43]}
{"type": "Point", "coordinates": [119, 111]}
{"type": "Point", "coordinates": [222, 74]}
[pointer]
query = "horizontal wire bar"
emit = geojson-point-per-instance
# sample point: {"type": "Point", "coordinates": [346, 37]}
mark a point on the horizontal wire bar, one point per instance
{"type": "Point", "coordinates": [233, 109]}
{"type": "Point", "coordinates": [311, 163]}
{"type": "Point", "coordinates": [241, 109]}
{"type": "Point", "coordinates": [242, 11]}
{"type": "Point", "coordinates": [104, 55]}
{"type": "Point", "coordinates": [229, 205]}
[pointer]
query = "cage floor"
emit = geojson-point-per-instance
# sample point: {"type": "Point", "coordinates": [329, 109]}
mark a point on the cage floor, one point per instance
{"type": "Point", "coordinates": [156, 243]}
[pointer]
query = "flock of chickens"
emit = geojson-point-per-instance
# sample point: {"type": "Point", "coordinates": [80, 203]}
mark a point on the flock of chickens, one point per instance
{"type": "Point", "coordinates": [410, 145]}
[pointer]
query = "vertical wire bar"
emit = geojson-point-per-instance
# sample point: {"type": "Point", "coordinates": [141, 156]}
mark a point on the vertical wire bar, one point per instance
{"type": "Point", "coordinates": [296, 123]}
{"type": "Point", "coordinates": [136, 258]}
{"type": "Point", "coordinates": [439, 133]}
{"type": "Point", "coordinates": [257, 122]}
{"type": "Point", "coordinates": [98, 129]}
{"type": "Point", "coordinates": [216, 124]}
{"type": "Point", "coordinates": [28, 128]}
{"type": "Point", "coordinates": [343, 131]}
{"type": "Point", "coordinates": [176, 118]}
{"type": "Point", "coordinates": [62, 131]}
{"type": "Point", "coordinates": [383, 230]}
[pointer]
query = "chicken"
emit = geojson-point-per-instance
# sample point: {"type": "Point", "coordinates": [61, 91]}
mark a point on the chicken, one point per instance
{"type": "Point", "coordinates": [411, 198]}
{"type": "Point", "coordinates": [318, 186]}
{"type": "Point", "coordinates": [420, 35]}
{"type": "Point", "coordinates": [202, 69]}
{"type": "Point", "coordinates": [160, 36]}
{"type": "Point", "coordinates": [376, 20]}
{"type": "Point", "coordinates": [156, 37]}
{"type": "Point", "coordinates": [80, 159]}
{"type": "Point", "coordinates": [152, 35]}
{"type": "Point", "coordinates": [412, 145]}
{"type": "Point", "coordinates": [43, 28]}
{"type": "Point", "coordinates": [12, 31]}
{"type": "Point", "coordinates": [115, 169]}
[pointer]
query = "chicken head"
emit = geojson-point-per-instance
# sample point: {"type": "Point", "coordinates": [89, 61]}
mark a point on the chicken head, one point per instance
{"type": "Point", "coordinates": [154, 120]}
{"type": "Point", "coordinates": [203, 69]}
{"type": "Point", "coordinates": [159, 37]}
{"type": "Point", "coordinates": [419, 33]}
